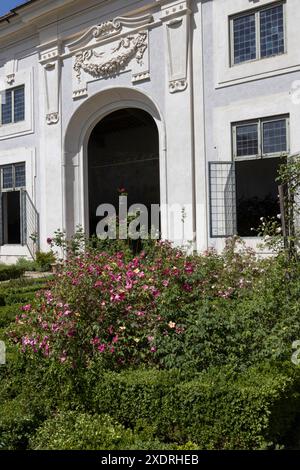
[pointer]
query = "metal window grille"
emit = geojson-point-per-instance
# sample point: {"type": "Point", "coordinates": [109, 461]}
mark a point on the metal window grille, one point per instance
{"type": "Point", "coordinates": [222, 191]}
{"type": "Point", "coordinates": [29, 223]}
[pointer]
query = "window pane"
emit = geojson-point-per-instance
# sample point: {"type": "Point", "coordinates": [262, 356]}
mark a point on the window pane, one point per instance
{"type": "Point", "coordinates": [244, 38]}
{"type": "Point", "coordinates": [256, 193]}
{"type": "Point", "coordinates": [247, 140]}
{"type": "Point", "coordinates": [20, 175]}
{"type": "Point", "coordinates": [274, 136]}
{"type": "Point", "coordinates": [7, 108]}
{"type": "Point", "coordinates": [271, 31]}
{"type": "Point", "coordinates": [7, 177]}
{"type": "Point", "coordinates": [19, 104]}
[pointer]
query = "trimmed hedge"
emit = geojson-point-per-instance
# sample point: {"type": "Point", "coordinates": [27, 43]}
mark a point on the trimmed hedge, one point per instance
{"type": "Point", "coordinates": [73, 430]}
{"type": "Point", "coordinates": [18, 298]}
{"type": "Point", "coordinates": [11, 272]}
{"type": "Point", "coordinates": [17, 423]}
{"type": "Point", "coordinates": [132, 395]}
{"type": "Point", "coordinates": [217, 409]}
{"type": "Point", "coordinates": [154, 409]}
{"type": "Point", "coordinates": [8, 314]}
{"type": "Point", "coordinates": [14, 293]}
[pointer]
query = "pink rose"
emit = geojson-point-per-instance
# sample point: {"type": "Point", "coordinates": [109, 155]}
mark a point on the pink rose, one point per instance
{"type": "Point", "coordinates": [101, 348]}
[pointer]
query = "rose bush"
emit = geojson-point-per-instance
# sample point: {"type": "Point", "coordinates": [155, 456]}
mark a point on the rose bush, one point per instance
{"type": "Point", "coordinates": [119, 308]}
{"type": "Point", "coordinates": [142, 336]}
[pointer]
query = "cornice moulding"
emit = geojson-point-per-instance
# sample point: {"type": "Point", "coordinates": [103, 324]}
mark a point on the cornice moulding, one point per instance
{"type": "Point", "coordinates": [28, 17]}
{"type": "Point", "coordinates": [36, 10]}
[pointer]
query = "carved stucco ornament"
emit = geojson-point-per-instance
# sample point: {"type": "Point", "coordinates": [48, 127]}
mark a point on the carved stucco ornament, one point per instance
{"type": "Point", "coordinates": [50, 60]}
{"type": "Point", "coordinates": [52, 118]}
{"type": "Point", "coordinates": [10, 79]}
{"type": "Point", "coordinates": [177, 85]}
{"type": "Point", "coordinates": [107, 28]}
{"type": "Point", "coordinates": [106, 64]}
{"type": "Point", "coordinates": [176, 15]}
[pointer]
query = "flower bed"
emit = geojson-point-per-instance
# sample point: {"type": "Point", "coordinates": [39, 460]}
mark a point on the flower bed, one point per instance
{"type": "Point", "coordinates": [121, 308]}
{"type": "Point", "coordinates": [164, 349]}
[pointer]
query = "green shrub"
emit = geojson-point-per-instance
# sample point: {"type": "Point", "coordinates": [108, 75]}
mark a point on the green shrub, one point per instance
{"type": "Point", "coordinates": [80, 431]}
{"type": "Point", "coordinates": [12, 293]}
{"type": "Point", "coordinates": [182, 312]}
{"type": "Point", "coordinates": [240, 332]}
{"type": "Point", "coordinates": [10, 272]}
{"type": "Point", "coordinates": [122, 309]}
{"type": "Point", "coordinates": [218, 409]}
{"type": "Point", "coordinates": [25, 288]}
{"type": "Point", "coordinates": [26, 264]}
{"type": "Point", "coordinates": [134, 395]}
{"type": "Point", "coordinates": [26, 283]}
{"type": "Point", "coordinates": [8, 314]}
{"type": "Point", "coordinates": [44, 261]}
{"type": "Point", "coordinates": [200, 331]}
{"type": "Point", "coordinates": [17, 423]}
{"type": "Point", "coordinates": [19, 298]}
{"type": "Point", "coordinates": [259, 324]}
{"type": "Point", "coordinates": [74, 430]}
{"type": "Point", "coordinates": [226, 410]}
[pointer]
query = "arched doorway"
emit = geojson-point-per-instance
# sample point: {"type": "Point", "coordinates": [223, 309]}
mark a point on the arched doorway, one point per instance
{"type": "Point", "coordinates": [123, 154]}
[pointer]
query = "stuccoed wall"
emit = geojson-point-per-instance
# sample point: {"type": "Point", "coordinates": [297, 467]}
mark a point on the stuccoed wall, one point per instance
{"type": "Point", "coordinates": [184, 82]}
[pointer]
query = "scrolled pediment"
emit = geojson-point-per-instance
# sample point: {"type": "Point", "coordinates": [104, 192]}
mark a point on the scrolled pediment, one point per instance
{"type": "Point", "coordinates": [108, 29]}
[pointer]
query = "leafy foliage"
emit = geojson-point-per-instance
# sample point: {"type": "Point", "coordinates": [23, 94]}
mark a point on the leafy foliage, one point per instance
{"type": "Point", "coordinates": [10, 272]}
{"type": "Point", "coordinates": [153, 350]}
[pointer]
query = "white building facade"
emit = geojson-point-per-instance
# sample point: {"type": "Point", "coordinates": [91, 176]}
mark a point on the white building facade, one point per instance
{"type": "Point", "coordinates": [190, 104]}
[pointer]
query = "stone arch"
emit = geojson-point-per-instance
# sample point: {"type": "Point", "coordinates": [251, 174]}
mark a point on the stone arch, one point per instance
{"type": "Point", "coordinates": [79, 129]}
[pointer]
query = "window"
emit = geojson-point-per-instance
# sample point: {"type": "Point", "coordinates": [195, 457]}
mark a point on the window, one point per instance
{"type": "Point", "coordinates": [246, 189]}
{"type": "Point", "coordinates": [256, 148]}
{"type": "Point", "coordinates": [11, 207]}
{"type": "Point", "coordinates": [260, 138]}
{"type": "Point", "coordinates": [13, 177]}
{"type": "Point", "coordinates": [13, 106]}
{"type": "Point", "coordinates": [258, 34]}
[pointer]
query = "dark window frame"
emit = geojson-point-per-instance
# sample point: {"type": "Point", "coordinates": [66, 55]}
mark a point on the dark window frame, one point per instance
{"type": "Point", "coordinates": [260, 123]}
{"type": "Point", "coordinates": [257, 13]}
{"type": "Point", "coordinates": [12, 107]}
{"type": "Point", "coordinates": [14, 186]}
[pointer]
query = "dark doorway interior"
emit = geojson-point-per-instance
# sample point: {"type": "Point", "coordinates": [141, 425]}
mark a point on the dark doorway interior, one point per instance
{"type": "Point", "coordinates": [257, 193]}
{"type": "Point", "coordinates": [11, 218]}
{"type": "Point", "coordinates": [123, 152]}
